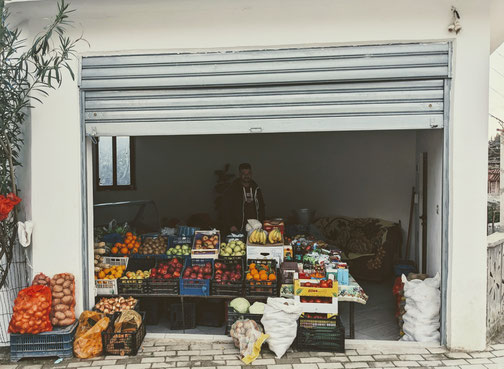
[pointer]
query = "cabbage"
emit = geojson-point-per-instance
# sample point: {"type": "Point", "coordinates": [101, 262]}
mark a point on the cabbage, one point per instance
{"type": "Point", "coordinates": [240, 304]}
{"type": "Point", "coordinates": [257, 308]}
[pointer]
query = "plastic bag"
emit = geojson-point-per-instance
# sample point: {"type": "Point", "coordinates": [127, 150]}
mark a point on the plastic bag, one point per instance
{"type": "Point", "coordinates": [280, 323]}
{"type": "Point", "coordinates": [248, 337]}
{"type": "Point", "coordinates": [88, 340]}
{"type": "Point", "coordinates": [31, 311]}
{"type": "Point", "coordinates": [423, 301]}
{"type": "Point", "coordinates": [63, 299]}
{"type": "Point", "coordinates": [41, 279]}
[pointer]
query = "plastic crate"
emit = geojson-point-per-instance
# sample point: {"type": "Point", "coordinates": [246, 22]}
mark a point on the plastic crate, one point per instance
{"type": "Point", "coordinates": [321, 334]}
{"type": "Point", "coordinates": [126, 343]}
{"type": "Point", "coordinates": [58, 342]}
{"type": "Point", "coordinates": [262, 288]}
{"type": "Point", "coordinates": [135, 286]}
{"type": "Point", "coordinates": [228, 288]}
{"type": "Point", "coordinates": [136, 308]}
{"type": "Point", "coordinates": [233, 316]}
{"type": "Point", "coordinates": [195, 287]}
{"type": "Point", "coordinates": [187, 320]}
{"type": "Point", "coordinates": [186, 231]}
{"type": "Point", "coordinates": [210, 313]}
{"type": "Point", "coordinates": [109, 286]}
{"type": "Point", "coordinates": [160, 286]}
{"type": "Point", "coordinates": [152, 308]}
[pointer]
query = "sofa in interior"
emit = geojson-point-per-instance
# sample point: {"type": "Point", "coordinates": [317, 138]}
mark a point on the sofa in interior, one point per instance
{"type": "Point", "coordinates": [369, 245]}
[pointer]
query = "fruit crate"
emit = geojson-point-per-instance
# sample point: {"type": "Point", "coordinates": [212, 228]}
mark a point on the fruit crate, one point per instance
{"type": "Point", "coordinates": [315, 289]}
{"type": "Point", "coordinates": [318, 307]}
{"type": "Point", "coordinates": [136, 307]}
{"type": "Point", "coordinates": [262, 288]}
{"type": "Point", "coordinates": [321, 334]}
{"type": "Point", "coordinates": [135, 286]}
{"type": "Point", "coordinates": [109, 286]}
{"type": "Point", "coordinates": [125, 343]}
{"type": "Point", "coordinates": [210, 253]}
{"type": "Point", "coordinates": [195, 287]}
{"type": "Point", "coordinates": [159, 286]}
{"type": "Point", "coordinates": [228, 288]}
{"type": "Point", "coordinates": [186, 231]}
{"type": "Point", "coordinates": [58, 342]}
{"type": "Point", "coordinates": [233, 316]}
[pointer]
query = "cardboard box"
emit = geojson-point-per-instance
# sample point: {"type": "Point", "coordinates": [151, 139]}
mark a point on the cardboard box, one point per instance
{"type": "Point", "coordinates": [266, 252]}
{"type": "Point", "coordinates": [314, 290]}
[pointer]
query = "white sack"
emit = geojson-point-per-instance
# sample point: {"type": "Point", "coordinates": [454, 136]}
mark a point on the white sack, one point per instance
{"type": "Point", "coordinates": [423, 301]}
{"type": "Point", "coordinates": [280, 322]}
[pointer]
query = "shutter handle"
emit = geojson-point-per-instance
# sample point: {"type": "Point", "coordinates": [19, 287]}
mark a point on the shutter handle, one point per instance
{"type": "Point", "coordinates": [256, 130]}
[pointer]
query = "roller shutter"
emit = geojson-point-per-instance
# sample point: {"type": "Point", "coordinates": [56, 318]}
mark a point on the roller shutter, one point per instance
{"type": "Point", "coordinates": [401, 86]}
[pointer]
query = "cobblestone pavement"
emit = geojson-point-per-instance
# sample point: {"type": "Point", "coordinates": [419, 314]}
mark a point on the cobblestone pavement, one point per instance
{"type": "Point", "coordinates": [167, 353]}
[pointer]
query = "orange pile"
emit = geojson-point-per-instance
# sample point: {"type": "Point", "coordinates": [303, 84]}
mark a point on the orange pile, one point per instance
{"type": "Point", "coordinates": [130, 245]}
{"type": "Point", "coordinates": [260, 273]}
{"type": "Point", "coordinates": [113, 272]}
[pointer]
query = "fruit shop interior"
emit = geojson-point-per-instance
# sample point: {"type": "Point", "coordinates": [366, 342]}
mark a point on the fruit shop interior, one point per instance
{"type": "Point", "coordinates": [177, 180]}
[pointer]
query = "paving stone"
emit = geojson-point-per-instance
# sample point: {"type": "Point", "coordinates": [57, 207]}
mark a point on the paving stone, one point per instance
{"type": "Point", "coordinates": [437, 350]}
{"type": "Point", "coordinates": [201, 358]}
{"type": "Point", "coordinates": [104, 362]}
{"type": "Point", "coordinates": [458, 355]}
{"type": "Point", "coordinates": [340, 359]}
{"type": "Point", "coordinates": [114, 367]}
{"type": "Point", "coordinates": [447, 367]}
{"type": "Point", "coordinates": [434, 357]}
{"type": "Point", "coordinates": [201, 346]}
{"type": "Point", "coordinates": [229, 367]}
{"type": "Point", "coordinates": [475, 366]}
{"type": "Point", "coordinates": [296, 354]}
{"type": "Point", "coordinates": [361, 358]}
{"type": "Point", "coordinates": [305, 366]}
{"type": "Point", "coordinates": [410, 357]}
{"type": "Point", "coordinates": [223, 346]}
{"type": "Point", "coordinates": [499, 346]}
{"type": "Point", "coordinates": [497, 360]}
{"type": "Point", "coordinates": [429, 363]}
{"type": "Point", "coordinates": [454, 362]}
{"type": "Point", "coordinates": [176, 358]}
{"type": "Point", "coordinates": [321, 354]}
{"type": "Point", "coordinates": [31, 366]}
{"type": "Point", "coordinates": [385, 357]}
{"type": "Point", "coordinates": [279, 366]}
{"type": "Point", "coordinates": [231, 351]}
{"type": "Point", "coordinates": [234, 362]}
{"type": "Point", "coordinates": [355, 365]}
{"type": "Point", "coordinates": [138, 366]}
{"type": "Point", "coordinates": [382, 364]}
{"type": "Point", "coordinates": [129, 360]}
{"type": "Point", "coordinates": [188, 353]}
{"type": "Point", "coordinates": [154, 349]}
{"type": "Point", "coordinates": [165, 353]}
{"type": "Point", "coordinates": [79, 364]}
{"type": "Point", "coordinates": [164, 365]}
{"type": "Point", "coordinates": [481, 354]}
{"type": "Point", "coordinates": [479, 361]}
{"type": "Point", "coordinates": [312, 360]}
{"type": "Point", "coordinates": [351, 352]}
{"type": "Point", "coordinates": [153, 360]}
{"type": "Point", "coordinates": [368, 352]}
{"type": "Point", "coordinates": [498, 352]}
{"type": "Point", "coordinates": [225, 357]}
{"type": "Point", "coordinates": [214, 352]}
{"type": "Point", "coordinates": [183, 363]}
{"type": "Point", "coordinates": [406, 363]}
{"type": "Point", "coordinates": [329, 365]}
{"type": "Point", "coordinates": [286, 360]}
{"type": "Point", "coordinates": [264, 362]}
{"type": "Point", "coordinates": [493, 366]}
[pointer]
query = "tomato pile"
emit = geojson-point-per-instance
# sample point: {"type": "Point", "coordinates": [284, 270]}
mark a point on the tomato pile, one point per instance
{"type": "Point", "coordinates": [316, 300]}
{"type": "Point", "coordinates": [321, 284]}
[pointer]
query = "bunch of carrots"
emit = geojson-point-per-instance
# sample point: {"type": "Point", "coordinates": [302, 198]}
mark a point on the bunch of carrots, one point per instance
{"type": "Point", "coordinates": [129, 246]}
{"type": "Point", "coordinates": [260, 273]}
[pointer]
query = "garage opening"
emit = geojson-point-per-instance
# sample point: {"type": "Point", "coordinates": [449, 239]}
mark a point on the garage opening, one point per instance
{"type": "Point", "coordinates": [346, 144]}
{"type": "Point", "coordinates": [359, 175]}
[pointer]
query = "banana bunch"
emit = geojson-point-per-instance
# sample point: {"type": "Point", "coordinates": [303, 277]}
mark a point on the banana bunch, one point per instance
{"type": "Point", "coordinates": [258, 236]}
{"type": "Point", "coordinates": [275, 236]}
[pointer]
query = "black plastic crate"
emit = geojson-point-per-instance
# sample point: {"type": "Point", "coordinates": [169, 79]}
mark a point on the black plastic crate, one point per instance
{"type": "Point", "coordinates": [233, 316]}
{"type": "Point", "coordinates": [135, 286]}
{"type": "Point", "coordinates": [152, 308]}
{"type": "Point", "coordinates": [321, 334]}
{"type": "Point", "coordinates": [161, 286]}
{"type": "Point", "coordinates": [58, 342]}
{"type": "Point", "coordinates": [179, 321]}
{"type": "Point", "coordinates": [262, 288]}
{"type": "Point", "coordinates": [136, 307]}
{"type": "Point", "coordinates": [228, 288]}
{"type": "Point", "coordinates": [126, 343]}
{"type": "Point", "coordinates": [210, 313]}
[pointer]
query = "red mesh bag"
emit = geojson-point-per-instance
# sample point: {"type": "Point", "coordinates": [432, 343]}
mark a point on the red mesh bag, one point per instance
{"type": "Point", "coordinates": [31, 311]}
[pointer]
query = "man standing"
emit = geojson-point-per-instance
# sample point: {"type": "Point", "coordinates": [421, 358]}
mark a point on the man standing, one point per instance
{"type": "Point", "coordinates": [242, 201]}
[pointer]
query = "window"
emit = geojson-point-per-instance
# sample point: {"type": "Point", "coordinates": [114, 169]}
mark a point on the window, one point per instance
{"type": "Point", "coordinates": [115, 163]}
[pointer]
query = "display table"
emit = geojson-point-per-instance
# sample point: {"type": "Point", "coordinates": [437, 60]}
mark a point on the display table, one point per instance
{"type": "Point", "coordinates": [350, 294]}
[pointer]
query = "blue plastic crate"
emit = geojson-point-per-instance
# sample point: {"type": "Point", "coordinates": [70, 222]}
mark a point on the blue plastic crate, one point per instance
{"type": "Point", "coordinates": [186, 231]}
{"type": "Point", "coordinates": [58, 342]}
{"type": "Point", "coordinates": [195, 287]}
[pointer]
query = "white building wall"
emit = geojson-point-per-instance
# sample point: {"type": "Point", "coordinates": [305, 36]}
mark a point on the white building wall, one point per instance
{"type": "Point", "coordinates": [111, 25]}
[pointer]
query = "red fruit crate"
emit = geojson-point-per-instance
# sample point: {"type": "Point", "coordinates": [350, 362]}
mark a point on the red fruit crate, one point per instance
{"type": "Point", "coordinates": [227, 284]}
{"type": "Point", "coordinates": [166, 279]}
{"type": "Point", "coordinates": [192, 285]}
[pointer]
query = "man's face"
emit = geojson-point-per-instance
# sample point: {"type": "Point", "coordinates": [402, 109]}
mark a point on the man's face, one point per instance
{"type": "Point", "coordinates": [246, 176]}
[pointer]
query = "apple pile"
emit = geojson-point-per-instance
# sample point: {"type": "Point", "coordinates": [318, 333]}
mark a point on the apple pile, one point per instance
{"type": "Point", "coordinates": [167, 270]}
{"type": "Point", "coordinates": [206, 242]}
{"type": "Point", "coordinates": [198, 271]}
{"type": "Point", "coordinates": [225, 273]}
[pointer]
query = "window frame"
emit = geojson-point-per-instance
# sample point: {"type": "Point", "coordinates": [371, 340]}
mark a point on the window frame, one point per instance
{"type": "Point", "coordinates": [115, 186]}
